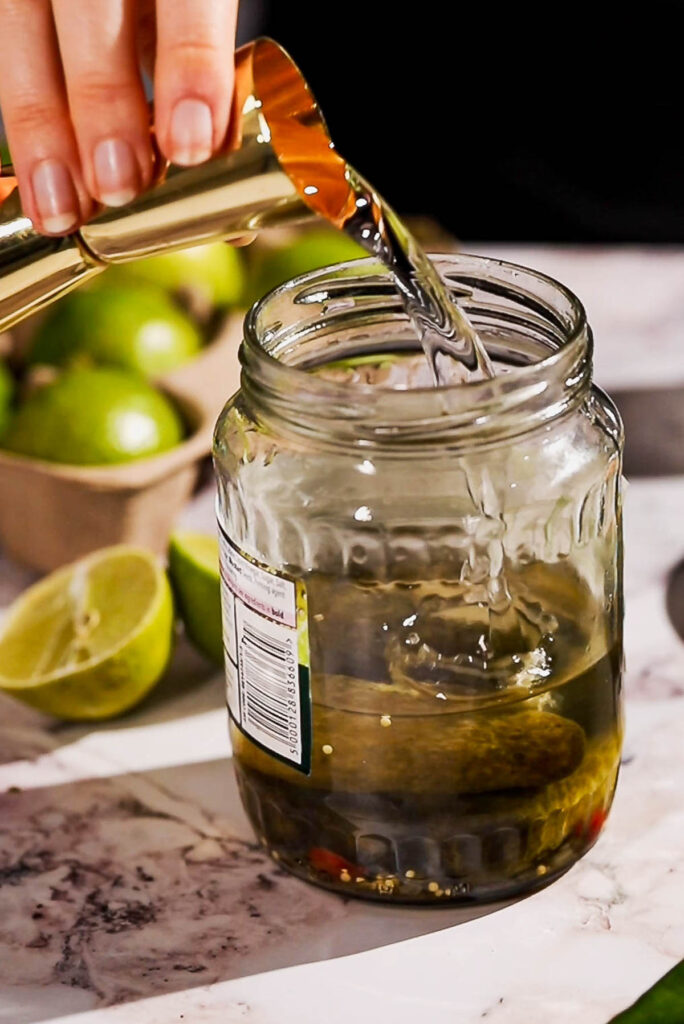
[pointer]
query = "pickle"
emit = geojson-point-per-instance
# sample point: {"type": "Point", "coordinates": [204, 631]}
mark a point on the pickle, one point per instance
{"type": "Point", "coordinates": [597, 771]}
{"type": "Point", "coordinates": [574, 806]}
{"type": "Point", "coordinates": [431, 754]}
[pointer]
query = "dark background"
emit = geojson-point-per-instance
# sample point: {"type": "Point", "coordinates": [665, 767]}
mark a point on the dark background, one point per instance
{"type": "Point", "coordinates": [553, 123]}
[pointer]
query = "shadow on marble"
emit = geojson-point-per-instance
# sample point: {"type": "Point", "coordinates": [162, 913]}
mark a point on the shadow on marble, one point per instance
{"type": "Point", "coordinates": [122, 888]}
{"type": "Point", "coordinates": [654, 430]}
{"type": "Point", "coordinates": [191, 686]}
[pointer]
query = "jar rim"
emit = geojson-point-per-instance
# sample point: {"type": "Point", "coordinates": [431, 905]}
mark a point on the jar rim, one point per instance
{"type": "Point", "coordinates": [551, 384]}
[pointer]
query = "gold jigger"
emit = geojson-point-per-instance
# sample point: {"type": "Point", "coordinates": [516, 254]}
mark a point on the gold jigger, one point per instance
{"type": "Point", "coordinates": [279, 166]}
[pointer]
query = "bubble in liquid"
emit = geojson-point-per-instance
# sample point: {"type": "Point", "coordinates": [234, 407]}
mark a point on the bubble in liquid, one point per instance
{"type": "Point", "coordinates": [452, 647]}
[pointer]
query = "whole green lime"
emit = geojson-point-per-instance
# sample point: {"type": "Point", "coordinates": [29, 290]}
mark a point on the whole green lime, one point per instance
{"type": "Point", "coordinates": [6, 392]}
{"type": "Point", "coordinates": [126, 324]}
{"type": "Point", "coordinates": [318, 248]}
{"type": "Point", "coordinates": [94, 417]}
{"type": "Point", "coordinates": [208, 275]}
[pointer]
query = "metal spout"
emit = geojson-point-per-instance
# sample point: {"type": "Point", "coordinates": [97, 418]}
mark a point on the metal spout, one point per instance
{"type": "Point", "coordinates": [279, 166]}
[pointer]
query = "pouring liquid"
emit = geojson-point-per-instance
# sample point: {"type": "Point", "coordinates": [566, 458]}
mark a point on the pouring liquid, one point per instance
{"type": "Point", "coordinates": [443, 328]}
{"type": "Point", "coordinates": [339, 194]}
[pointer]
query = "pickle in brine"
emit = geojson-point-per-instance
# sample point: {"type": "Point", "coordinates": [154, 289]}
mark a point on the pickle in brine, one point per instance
{"type": "Point", "coordinates": [431, 754]}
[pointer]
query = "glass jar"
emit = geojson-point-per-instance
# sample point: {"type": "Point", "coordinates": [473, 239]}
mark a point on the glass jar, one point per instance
{"type": "Point", "coordinates": [421, 588]}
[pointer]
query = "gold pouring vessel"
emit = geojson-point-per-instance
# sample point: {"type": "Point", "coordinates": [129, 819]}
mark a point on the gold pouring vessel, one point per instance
{"type": "Point", "coordinates": [278, 167]}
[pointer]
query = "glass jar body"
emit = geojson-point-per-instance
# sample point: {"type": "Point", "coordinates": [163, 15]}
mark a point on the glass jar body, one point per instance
{"type": "Point", "coordinates": [463, 631]}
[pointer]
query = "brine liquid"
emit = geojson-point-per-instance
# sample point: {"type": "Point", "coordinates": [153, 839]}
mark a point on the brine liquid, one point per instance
{"type": "Point", "coordinates": [454, 756]}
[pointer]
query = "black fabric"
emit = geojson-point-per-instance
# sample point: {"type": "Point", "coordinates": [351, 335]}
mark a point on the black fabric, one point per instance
{"type": "Point", "coordinates": [526, 122]}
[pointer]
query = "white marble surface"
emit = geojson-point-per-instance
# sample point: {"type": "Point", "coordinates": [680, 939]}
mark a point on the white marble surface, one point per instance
{"type": "Point", "coordinates": [156, 908]}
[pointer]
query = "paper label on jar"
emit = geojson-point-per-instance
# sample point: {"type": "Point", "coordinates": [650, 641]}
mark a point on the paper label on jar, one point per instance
{"type": "Point", "coordinates": [266, 645]}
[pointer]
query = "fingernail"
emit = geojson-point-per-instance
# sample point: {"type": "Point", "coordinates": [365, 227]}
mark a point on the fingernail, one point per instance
{"type": "Point", "coordinates": [191, 132]}
{"type": "Point", "coordinates": [116, 172]}
{"type": "Point", "coordinates": [55, 196]}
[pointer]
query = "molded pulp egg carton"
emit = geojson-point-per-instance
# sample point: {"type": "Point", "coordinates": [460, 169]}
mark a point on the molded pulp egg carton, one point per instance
{"type": "Point", "coordinates": [51, 514]}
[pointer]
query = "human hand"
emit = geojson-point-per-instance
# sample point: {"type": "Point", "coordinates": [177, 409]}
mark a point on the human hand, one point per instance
{"type": "Point", "coordinates": [73, 102]}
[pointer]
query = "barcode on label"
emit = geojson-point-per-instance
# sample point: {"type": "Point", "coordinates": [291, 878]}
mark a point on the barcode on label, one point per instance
{"type": "Point", "coordinates": [269, 683]}
{"type": "Point", "coordinates": [265, 637]}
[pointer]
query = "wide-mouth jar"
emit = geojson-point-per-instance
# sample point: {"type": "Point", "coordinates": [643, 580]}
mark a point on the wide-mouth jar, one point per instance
{"type": "Point", "coordinates": [421, 587]}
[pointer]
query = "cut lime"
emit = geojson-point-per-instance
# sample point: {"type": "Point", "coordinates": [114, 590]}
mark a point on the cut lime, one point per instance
{"type": "Point", "coordinates": [194, 568]}
{"type": "Point", "coordinates": [94, 417]}
{"type": "Point", "coordinates": [90, 640]}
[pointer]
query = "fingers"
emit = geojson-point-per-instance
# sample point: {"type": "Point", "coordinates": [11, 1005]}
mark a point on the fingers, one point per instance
{"type": "Point", "coordinates": [194, 76]}
{"type": "Point", "coordinates": [74, 106]}
{"type": "Point", "coordinates": [36, 115]}
{"type": "Point", "coordinates": [109, 113]}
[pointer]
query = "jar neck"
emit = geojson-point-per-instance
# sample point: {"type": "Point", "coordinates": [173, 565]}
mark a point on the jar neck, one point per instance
{"type": "Point", "coordinates": [527, 321]}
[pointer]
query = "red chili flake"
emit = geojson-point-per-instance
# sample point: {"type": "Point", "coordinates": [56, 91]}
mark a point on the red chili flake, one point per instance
{"type": "Point", "coordinates": [596, 823]}
{"type": "Point", "coordinates": [332, 864]}
{"type": "Point", "coordinates": [593, 826]}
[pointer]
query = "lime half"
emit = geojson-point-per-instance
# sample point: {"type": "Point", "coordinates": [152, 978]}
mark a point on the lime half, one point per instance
{"type": "Point", "coordinates": [90, 640]}
{"type": "Point", "coordinates": [194, 568]}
